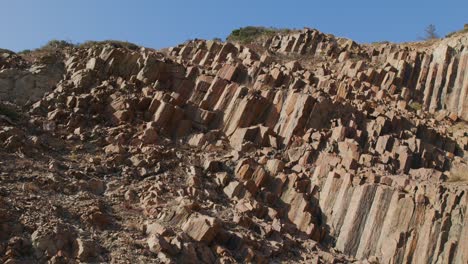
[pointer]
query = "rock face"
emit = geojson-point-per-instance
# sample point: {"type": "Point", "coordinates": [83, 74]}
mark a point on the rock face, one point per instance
{"type": "Point", "coordinates": [302, 148]}
{"type": "Point", "coordinates": [22, 85]}
{"type": "Point", "coordinates": [435, 77]}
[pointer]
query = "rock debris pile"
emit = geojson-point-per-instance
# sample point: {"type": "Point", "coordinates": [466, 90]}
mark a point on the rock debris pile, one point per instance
{"type": "Point", "coordinates": [304, 147]}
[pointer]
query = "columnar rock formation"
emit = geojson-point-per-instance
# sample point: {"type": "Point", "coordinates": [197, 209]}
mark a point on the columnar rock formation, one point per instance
{"type": "Point", "coordinates": [304, 147]}
{"type": "Point", "coordinates": [434, 76]}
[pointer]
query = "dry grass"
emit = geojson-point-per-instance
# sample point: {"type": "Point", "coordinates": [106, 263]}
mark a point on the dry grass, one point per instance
{"type": "Point", "coordinates": [462, 31]}
{"type": "Point", "coordinates": [49, 52]}
{"type": "Point", "coordinates": [55, 48]}
{"type": "Point", "coordinates": [458, 174]}
{"type": "Point", "coordinates": [415, 106]}
{"type": "Point", "coordinates": [246, 35]}
{"type": "Point", "coordinates": [114, 43]}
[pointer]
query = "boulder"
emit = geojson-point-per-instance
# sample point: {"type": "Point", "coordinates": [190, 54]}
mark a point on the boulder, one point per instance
{"type": "Point", "coordinates": [202, 228]}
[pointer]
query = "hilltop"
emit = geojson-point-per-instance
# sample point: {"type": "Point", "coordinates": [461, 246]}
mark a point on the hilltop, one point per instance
{"type": "Point", "coordinates": [277, 146]}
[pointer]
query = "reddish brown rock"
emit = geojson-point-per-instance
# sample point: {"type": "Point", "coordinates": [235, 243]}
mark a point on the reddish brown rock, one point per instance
{"type": "Point", "coordinates": [202, 228]}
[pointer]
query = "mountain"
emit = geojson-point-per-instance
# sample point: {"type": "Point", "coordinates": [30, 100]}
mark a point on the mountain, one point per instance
{"type": "Point", "coordinates": [277, 146]}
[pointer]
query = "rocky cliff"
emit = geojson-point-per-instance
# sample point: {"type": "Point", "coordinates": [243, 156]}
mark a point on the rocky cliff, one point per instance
{"type": "Point", "coordinates": [303, 147]}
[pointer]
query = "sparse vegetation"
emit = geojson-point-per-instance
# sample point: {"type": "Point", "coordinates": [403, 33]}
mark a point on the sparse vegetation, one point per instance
{"type": "Point", "coordinates": [54, 47]}
{"type": "Point", "coordinates": [415, 106]}
{"type": "Point", "coordinates": [26, 51]}
{"type": "Point", "coordinates": [73, 156]}
{"type": "Point", "coordinates": [8, 112]}
{"type": "Point", "coordinates": [81, 163]}
{"type": "Point", "coordinates": [249, 34]}
{"type": "Point", "coordinates": [49, 49]}
{"type": "Point", "coordinates": [114, 43]}
{"type": "Point", "coordinates": [464, 30]}
{"type": "Point", "coordinates": [57, 44]}
{"type": "Point", "coordinates": [380, 42]}
{"type": "Point", "coordinates": [430, 32]}
{"type": "Point", "coordinates": [5, 51]}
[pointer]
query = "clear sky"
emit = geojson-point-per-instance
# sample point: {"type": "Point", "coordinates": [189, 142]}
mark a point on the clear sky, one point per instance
{"type": "Point", "coordinates": [28, 24]}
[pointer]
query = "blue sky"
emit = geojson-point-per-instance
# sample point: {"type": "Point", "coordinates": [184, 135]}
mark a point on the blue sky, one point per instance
{"type": "Point", "coordinates": [28, 24]}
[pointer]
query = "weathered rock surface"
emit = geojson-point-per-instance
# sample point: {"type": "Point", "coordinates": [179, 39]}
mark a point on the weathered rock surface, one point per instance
{"type": "Point", "coordinates": [305, 148]}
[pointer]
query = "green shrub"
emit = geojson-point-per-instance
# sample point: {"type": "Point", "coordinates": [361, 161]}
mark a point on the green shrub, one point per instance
{"type": "Point", "coordinates": [114, 43]}
{"type": "Point", "coordinates": [26, 51]}
{"type": "Point", "coordinates": [415, 106]}
{"type": "Point", "coordinates": [6, 51]}
{"type": "Point", "coordinates": [464, 30]}
{"type": "Point", "coordinates": [9, 112]}
{"type": "Point", "coordinates": [49, 49]}
{"type": "Point", "coordinates": [57, 44]}
{"type": "Point", "coordinates": [380, 42]}
{"type": "Point", "coordinates": [249, 34]}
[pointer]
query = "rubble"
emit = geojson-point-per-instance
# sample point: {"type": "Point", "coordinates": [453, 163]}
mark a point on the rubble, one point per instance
{"type": "Point", "coordinates": [306, 148]}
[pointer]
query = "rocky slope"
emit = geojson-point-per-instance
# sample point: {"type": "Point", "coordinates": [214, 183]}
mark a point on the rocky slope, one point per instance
{"type": "Point", "coordinates": [301, 148]}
